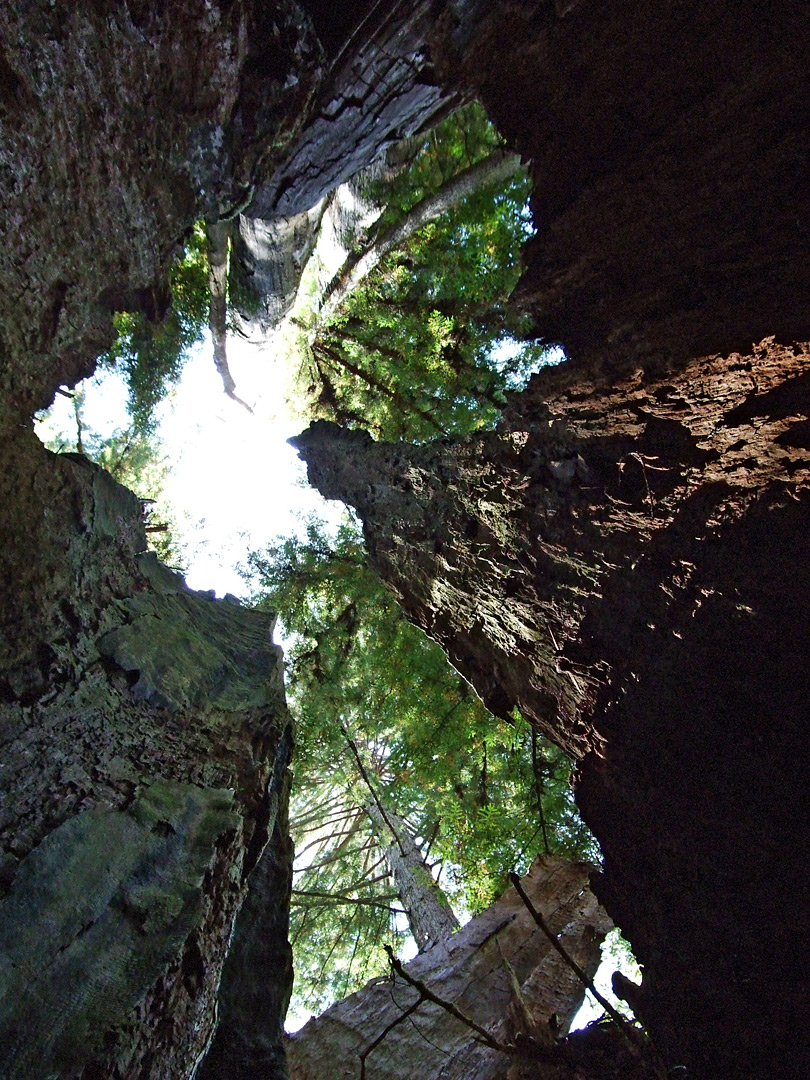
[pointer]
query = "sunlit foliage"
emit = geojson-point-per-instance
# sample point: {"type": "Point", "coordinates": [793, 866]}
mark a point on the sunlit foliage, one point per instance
{"type": "Point", "coordinates": [151, 354]}
{"type": "Point", "coordinates": [413, 351]}
{"type": "Point", "coordinates": [484, 796]}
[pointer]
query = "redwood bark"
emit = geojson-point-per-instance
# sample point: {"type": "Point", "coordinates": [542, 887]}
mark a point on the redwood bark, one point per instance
{"type": "Point", "coordinates": [669, 148]}
{"type": "Point", "coordinates": [140, 721]}
{"type": "Point", "coordinates": [627, 564]}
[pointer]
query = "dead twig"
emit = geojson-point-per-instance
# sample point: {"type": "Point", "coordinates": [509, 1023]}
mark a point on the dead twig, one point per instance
{"type": "Point", "coordinates": [426, 994]}
{"type": "Point", "coordinates": [385, 1032]}
{"type": "Point", "coordinates": [623, 1025]}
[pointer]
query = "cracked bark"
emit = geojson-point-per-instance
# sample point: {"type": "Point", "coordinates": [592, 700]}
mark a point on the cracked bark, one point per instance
{"type": "Point", "coordinates": [610, 561]}
{"type": "Point", "coordinates": [669, 155]}
{"type": "Point", "coordinates": [476, 968]}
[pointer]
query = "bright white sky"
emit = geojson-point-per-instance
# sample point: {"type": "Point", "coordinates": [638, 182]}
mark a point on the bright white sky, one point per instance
{"type": "Point", "coordinates": [233, 476]}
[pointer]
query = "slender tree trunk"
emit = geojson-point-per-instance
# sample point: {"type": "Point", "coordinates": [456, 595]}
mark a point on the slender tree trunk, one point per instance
{"type": "Point", "coordinates": [498, 166]}
{"type": "Point", "coordinates": [430, 917]}
{"type": "Point", "coordinates": [218, 236]}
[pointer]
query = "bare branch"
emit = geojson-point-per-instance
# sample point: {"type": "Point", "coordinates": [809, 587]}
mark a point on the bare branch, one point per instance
{"type": "Point", "coordinates": [426, 994]}
{"type": "Point", "coordinates": [622, 1023]}
{"type": "Point", "coordinates": [386, 1031]}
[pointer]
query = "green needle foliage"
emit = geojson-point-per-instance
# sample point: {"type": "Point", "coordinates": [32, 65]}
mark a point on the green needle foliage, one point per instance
{"type": "Point", "coordinates": [152, 354]}
{"type": "Point", "coordinates": [412, 350]}
{"type": "Point", "coordinates": [481, 796]}
{"type": "Point", "coordinates": [136, 459]}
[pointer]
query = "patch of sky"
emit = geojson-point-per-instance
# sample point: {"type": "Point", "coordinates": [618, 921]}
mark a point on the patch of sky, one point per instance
{"type": "Point", "coordinates": [616, 956]}
{"type": "Point", "coordinates": [233, 479]}
{"type": "Point", "coordinates": [520, 359]}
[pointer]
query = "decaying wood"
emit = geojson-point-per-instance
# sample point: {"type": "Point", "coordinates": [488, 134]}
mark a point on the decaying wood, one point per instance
{"type": "Point", "coordinates": [466, 970]}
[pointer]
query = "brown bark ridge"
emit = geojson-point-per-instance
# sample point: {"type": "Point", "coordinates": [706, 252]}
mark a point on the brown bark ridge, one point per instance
{"type": "Point", "coordinates": [627, 563]}
{"type": "Point", "coordinates": [475, 969]}
{"type": "Point", "coordinates": [379, 88]}
{"type": "Point", "coordinates": [129, 123]}
{"type": "Point", "coordinates": [626, 559]}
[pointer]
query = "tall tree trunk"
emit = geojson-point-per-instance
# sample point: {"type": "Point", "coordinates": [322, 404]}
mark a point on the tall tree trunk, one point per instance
{"type": "Point", "coordinates": [499, 970]}
{"type": "Point", "coordinates": [219, 242]}
{"type": "Point", "coordinates": [496, 167]}
{"type": "Point", "coordinates": [430, 916]}
{"type": "Point", "coordinates": [619, 558]}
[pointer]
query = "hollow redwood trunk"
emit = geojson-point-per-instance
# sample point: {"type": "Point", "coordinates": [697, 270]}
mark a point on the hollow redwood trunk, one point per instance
{"type": "Point", "coordinates": [628, 565]}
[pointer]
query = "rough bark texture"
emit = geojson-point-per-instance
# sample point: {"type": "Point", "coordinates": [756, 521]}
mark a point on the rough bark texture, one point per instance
{"type": "Point", "coordinates": [269, 257]}
{"type": "Point", "coordinates": [139, 725]}
{"type": "Point", "coordinates": [470, 969]}
{"type": "Point", "coordinates": [122, 124]}
{"type": "Point", "coordinates": [257, 977]}
{"type": "Point", "coordinates": [379, 88]}
{"type": "Point", "coordinates": [626, 560]}
{"type": "Point", "coordinates": [143, 726]}
{"type": "Point", "coordinates": [644, 629]}
{"type": "Point", "coordinates": [668, 146]}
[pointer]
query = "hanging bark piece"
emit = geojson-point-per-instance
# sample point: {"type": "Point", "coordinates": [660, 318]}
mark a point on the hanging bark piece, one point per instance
{"type": "Point", "coordinates": [219, 239]}
{"type": "Point", "coordinates": [472, 968]}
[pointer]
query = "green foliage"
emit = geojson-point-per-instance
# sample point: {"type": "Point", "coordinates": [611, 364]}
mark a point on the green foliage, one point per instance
{"type": "Point", "coordinates": [344, 909]}
{"type": "Point", "coordinates": [151, 355]}
{"type": "Point", "coordinates": [483, 795]}
{"type": "Point", "coordinates": [136, 459]}
{"type": "Point", "coordinates": [414, 350]}
{"type": "Point", "coordinates": [462, 139]}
